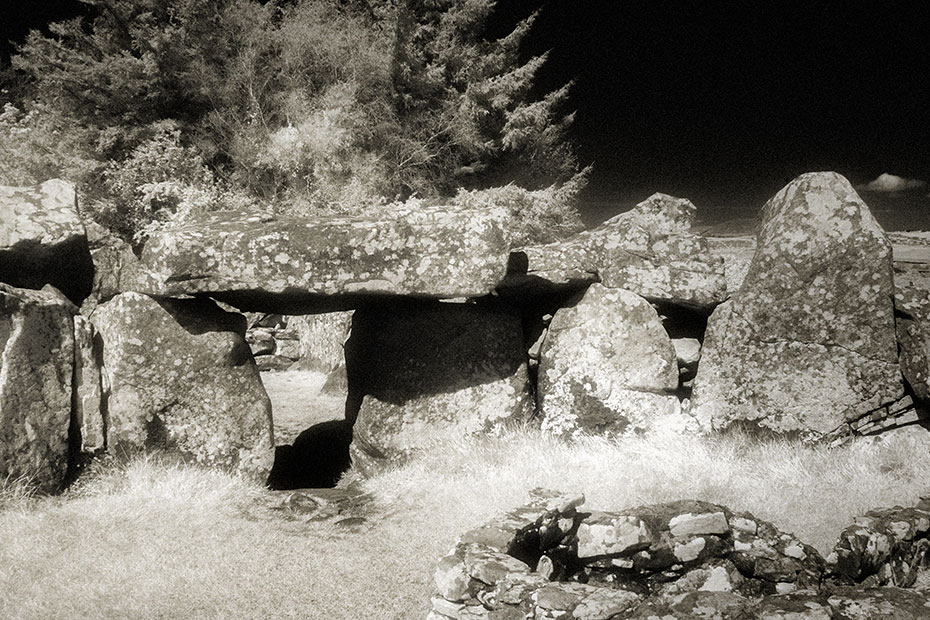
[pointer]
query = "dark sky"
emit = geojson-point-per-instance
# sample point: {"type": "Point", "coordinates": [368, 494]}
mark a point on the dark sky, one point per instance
{"type": "Point", "coordinates": [724, 103]}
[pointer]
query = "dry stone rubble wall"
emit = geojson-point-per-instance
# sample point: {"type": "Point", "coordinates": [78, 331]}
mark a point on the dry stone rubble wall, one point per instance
{"type": "Point", "coordinates": [686, 560]}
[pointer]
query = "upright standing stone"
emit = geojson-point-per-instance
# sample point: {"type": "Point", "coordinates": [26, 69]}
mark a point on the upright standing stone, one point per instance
{"type": "Point", "coordinates": [607, 366]}
{"type": "Point", "coordinates": [422, 371]}
{"type": "Point", "coordinates": [36, 362]}
{"type": "Point", "coordinates": [182, 376]}
{"type": "Point", "coordinates": [808, 342]}
{"type": "Point", "coordinates": [42, 239]}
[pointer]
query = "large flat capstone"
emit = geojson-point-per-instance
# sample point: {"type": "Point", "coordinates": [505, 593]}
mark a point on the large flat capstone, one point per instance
{"type": "Point", "coordinates": [428, 252]}
{"type": "Point", "coordinates": [808, 341]}
{"type": "Point", "coordinates": [43, 241]}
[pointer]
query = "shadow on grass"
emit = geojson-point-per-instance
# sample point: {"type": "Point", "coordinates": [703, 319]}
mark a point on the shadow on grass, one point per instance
{"type": "Point", "coordinates": [316, 459]}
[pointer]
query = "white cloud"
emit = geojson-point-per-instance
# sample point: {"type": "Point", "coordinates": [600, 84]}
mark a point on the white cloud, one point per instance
{"type": "Point", "coordinates": [892, 183]}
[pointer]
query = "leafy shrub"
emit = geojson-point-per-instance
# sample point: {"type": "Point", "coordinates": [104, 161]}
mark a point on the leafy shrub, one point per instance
{"type": "Point", "coordinates": [38, 145]}
{"type": "Point", "coordinates": [541, 216]}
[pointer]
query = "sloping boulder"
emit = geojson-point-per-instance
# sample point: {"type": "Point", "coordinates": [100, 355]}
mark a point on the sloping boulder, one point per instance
{"type": "Point", "coordinates": [607, 366]}
{"type": "Point", "coordinates": [429, 252]}
{"type": "Point", "coordinates": [36, 365]}
{"type": "Point", "coordinates": [42, 239]}
{"type": "Point", "coordinates": [807, 343]}
{"type": "Point", "coordinates": [649, 250]}
{"type": "Point", "coordinates": [421, 371]}
{"type": "Point", "coordinates": [182, 377]}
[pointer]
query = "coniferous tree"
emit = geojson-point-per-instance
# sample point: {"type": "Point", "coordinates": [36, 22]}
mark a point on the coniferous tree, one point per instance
{"type": "Point", "coordinates": [170, 105]}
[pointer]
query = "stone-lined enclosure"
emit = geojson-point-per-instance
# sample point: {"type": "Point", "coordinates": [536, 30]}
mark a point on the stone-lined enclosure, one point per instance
{"type": "Point", "coordinates": [454, 329]}
{"type": "Point", "coordinates": [554, 558]}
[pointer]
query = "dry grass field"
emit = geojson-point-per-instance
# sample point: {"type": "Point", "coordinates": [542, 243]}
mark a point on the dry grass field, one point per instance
{"type": "Point", "coordinates": [152, 538]}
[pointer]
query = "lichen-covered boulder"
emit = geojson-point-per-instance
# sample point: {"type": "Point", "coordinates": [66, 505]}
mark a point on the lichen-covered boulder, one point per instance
{"type": "Point", "coordinates": [321, 339]}
{"type": "Point", "coordinates": [886, 603]}
{"type": "Point", "coordinates": [607, 366]}
{"type": "Point", "coordinates": [250, 260]}
{"type": "Point", "coordinates": [36, 366]}
{"type": "Point", "coordinates": [807, 343]}
{"type": "Point", "coordinates": [698, 605]}
{"type": "Point", "coordinates": [43, 241]}
{"type": "Point", "coordinates": [420, 371]}
{"type": "Point", "coordinates": [182, 377]}
{"type": "Point", "coordinates": [845, 604]}
{"type": "Point", "coordinates": [649, 250]}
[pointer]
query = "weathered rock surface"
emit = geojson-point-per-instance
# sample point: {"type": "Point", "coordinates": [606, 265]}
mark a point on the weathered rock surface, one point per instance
{"type": "Point", "coordinates": [649, 250]}
{"type": "Point", "coordinates": [687, 354]}
{"type": "Point", "coordinates": [886, 547]}
{"type": "Point", "coordinates": [807, 344]}
{"type": "Point", "coordinates": [912, 327]}
{"type": "Point", "coordinates": [36, 366]}
{"type": "Point", "coordinates": [43, 241]}
{"type": "Point", "coordinates": [181, 376]}
{"type": "Point", "coordinates": [431, 252]}
{"type": "Point", "coordinates": [89, 403]}
{"type": "Point", "coordinates": [418, 371]}
{"type": "Point", "coordinates": [116, 268]}
{"type": "Point", "coordinates": [606, 366]}
{"type": "Point", "coordinates": [261, 341]}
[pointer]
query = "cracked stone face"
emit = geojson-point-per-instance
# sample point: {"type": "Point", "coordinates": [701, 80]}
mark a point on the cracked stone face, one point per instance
{"type": "Point", "coordinates": [428, 370]}
{"type": "Point", "coordinates": [607, 366]}
{"type": "Point", "coordinates": [432, 252]}
{"type": "Point", "coordinates": [43, 241]}
{"type": "Point", "coordinates": [808, 341]}
{"type": "Point", "coordinates": [182, 377]}
{"type": "Point", "coordinates": [36, 364]}
{"type": "Point", "coordinates": [649, 250]}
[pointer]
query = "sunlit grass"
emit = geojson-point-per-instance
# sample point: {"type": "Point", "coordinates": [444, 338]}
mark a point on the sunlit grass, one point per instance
{"type": "Point", "coordinates": [811, 491]}
{"type": "Point", "coordinates": [153, 538]}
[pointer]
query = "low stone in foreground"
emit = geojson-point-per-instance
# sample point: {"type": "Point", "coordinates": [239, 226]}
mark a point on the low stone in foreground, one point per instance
{"type": "Point", "coordinates": [685, 560]}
